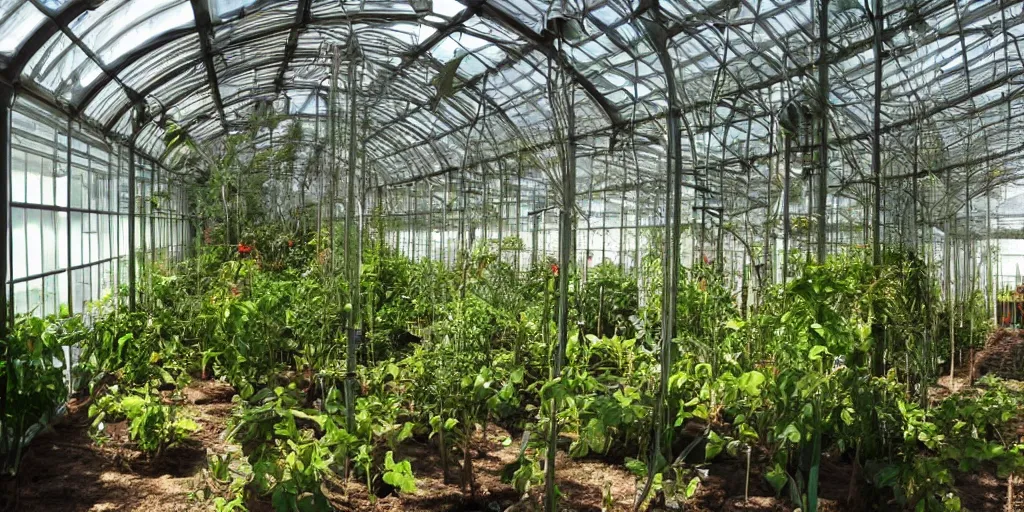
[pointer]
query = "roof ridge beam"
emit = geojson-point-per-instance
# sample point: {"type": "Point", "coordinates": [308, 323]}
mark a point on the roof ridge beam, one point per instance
{"type": "Point", "coordinates": [303, 16]}
{"type": "Point", "coordinates": [546, 44]}
{"type": "Point", "coordinates": [204, 26]}
{"type": "Point", "coordinates": [411, 57]}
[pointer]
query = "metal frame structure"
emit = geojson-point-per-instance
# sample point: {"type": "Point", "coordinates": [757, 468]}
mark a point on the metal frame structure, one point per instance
{"type": "Point", "coordinates": [746, 133]}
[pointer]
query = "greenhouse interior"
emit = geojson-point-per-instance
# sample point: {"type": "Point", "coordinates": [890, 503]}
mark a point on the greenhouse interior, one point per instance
{"type": "Point", "coordinates": [512, 255]}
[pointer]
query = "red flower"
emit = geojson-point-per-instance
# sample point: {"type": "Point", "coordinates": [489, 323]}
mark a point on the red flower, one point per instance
{"type": "Point", "coordinates": [291, 243]}
{"type": "Point", "coordinates": [554, 268]}
{"type": "Point", "coordinates": [244, 249]}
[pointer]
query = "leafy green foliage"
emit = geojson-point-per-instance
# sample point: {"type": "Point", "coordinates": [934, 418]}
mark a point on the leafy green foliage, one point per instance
{"type": "Point", "coordinates": [152, 425]}
{"type": "Point", "coordinates": [399, 474]}
{"type": "Point", "coordinates": [32, 382]}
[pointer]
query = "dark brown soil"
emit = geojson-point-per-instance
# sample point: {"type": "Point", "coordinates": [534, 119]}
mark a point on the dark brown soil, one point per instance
{"type": "Point", "coordinates": [64, 469]}
{"type": "Point", "coordinates": [584, 484]}
{"type": "Point", "coordinates": [725, 489]}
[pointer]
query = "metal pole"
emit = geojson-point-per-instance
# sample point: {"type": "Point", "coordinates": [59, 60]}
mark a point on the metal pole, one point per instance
{"type": "Point", "coordinates": [670, 265]}
{"type": "Point", "coordinates": [823, 103]}
{"type": "Point", "coordinates": [332, 134]}
{"type": "Point", "coordinates": [519, 206]}
{"type": "Point", "coordinates": [71, 273]}
{"type": "Point", "coordinates": [567, 238]}
{"type": "Point", "coordinates": [787, 167]}
{"type": "Point", "coordinates": [444, 218]}
{"type": "Point", "coordinates": [353, 259]}
{"type": "Point", "coordinates": [131, 224]}
{"type": "Point", "coordinates": [673, 206]}
{"type": "Point", "coordinates": [6, 104]}
{"type": "Point", "coordinates": [878, 330]}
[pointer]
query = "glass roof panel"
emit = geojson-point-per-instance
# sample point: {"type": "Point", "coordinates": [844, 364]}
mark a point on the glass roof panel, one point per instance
{"type": "Point", "coordinates": [118, 26]}
{"type": "Point", "coordinates": [226, 9]}
{"type": "Point", "coordinates": [157, 64]}
{"type": "Point", "coordinates": [329, 9]}
{"type": "Point", "coordinates": [17, 22]}
{"type": "Point", "coordinates": [740, 64]}
{"type": "Point", "coordinates": [67, 73]}
{"type": "Point", "coordinates": [269, 19]}
{"type": "Point", "coordinates": [107, 103]}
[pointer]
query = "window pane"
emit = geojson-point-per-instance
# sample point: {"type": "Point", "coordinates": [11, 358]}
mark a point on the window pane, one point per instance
{"type": "Point", "coordinates": [19, 263]}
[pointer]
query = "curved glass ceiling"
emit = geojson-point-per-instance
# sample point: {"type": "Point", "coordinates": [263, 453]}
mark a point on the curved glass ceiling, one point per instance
{"type": "Point", "coordinates": [952, 78]}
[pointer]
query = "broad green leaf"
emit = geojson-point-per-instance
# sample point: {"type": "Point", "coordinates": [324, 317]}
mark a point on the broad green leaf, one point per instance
{"type": "Point", "coordinates": [791, 433]}
{"type": "Point", "coordinates": [714, 446]}
{"type": "Point", "coordinates": [750, 382]}
{"type": "Point", "coordinates": [817, 351]}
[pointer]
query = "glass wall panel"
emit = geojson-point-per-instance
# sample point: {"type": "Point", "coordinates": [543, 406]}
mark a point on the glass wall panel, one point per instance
{"type": "Point", "coordinates": [69, 223]}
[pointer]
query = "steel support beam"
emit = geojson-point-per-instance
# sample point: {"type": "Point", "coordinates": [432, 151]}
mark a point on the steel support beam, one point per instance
{"type": "Point", "coordinates": [6, 104]}
{"type": "Point", "coordinates": [303, 16]}
{"type": "Point", "coordinates": [670, 257]}
{"type": "Point", "coordinates": [545, 43]}
{"type": "Point", "coordinates": [823, 111]}
{"type": "Point", "coordinates": [353, 235]}
{"type": "Point", "coordinates": [201, 11]}
{"type": "Point", "coordinates": [132, 205]}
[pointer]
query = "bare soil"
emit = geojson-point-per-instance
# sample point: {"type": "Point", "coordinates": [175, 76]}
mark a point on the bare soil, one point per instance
{"type": "Point", "coordinates": [65, 470]}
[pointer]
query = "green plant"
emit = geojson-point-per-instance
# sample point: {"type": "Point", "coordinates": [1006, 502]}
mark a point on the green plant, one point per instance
{"type": "Point", "coordinates": [32, 384]}
{"type": "Point", "coordinates": [153, 425]}
{"type": "Point", "coordinates": [399, 474]}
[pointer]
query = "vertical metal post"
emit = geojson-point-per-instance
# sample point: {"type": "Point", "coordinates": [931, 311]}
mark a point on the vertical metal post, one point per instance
{"type": "Point", "coordinates": [877, 328]}
{"type": "Point", "coordinates": [6, 104]}
{"type": "Point", "coordinates": [131, 226]}
{"type": "Point", "coordinates": [622, 220]}
{"type": "Point", "coordinates": [534, 242]}
{"type": "Point", "coordinates": [430, 221]}
{"type": "Point", "coordinates": [132, 165]}
{"type": "Point", "coordinates": [353, 258]}
{"type": "Point", "coordinates": [786, 225]}
{"type": "Point", "coordinates": [519, 204]}
{"type": "Point", "coordinates": [484, 232]}
{"type": "Point", "coordinates": [673, 210]}
{"type": "Point", "coordinates": [332, 130]}
{"type": "Point", "coordinates": [823, 104]}
{"type": "Point", "coordinates": [71, 273]}
{"type": "Point", "coordinates": [636, 218]}
{"type": "Point", "coordinates": [501, 207]}
{"type": "Point", "coordinates": [444, 218]}
{"type": "Point", "coordinates": [140, 203]}
{"type": "Point", "coordinates": [566, 242]}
